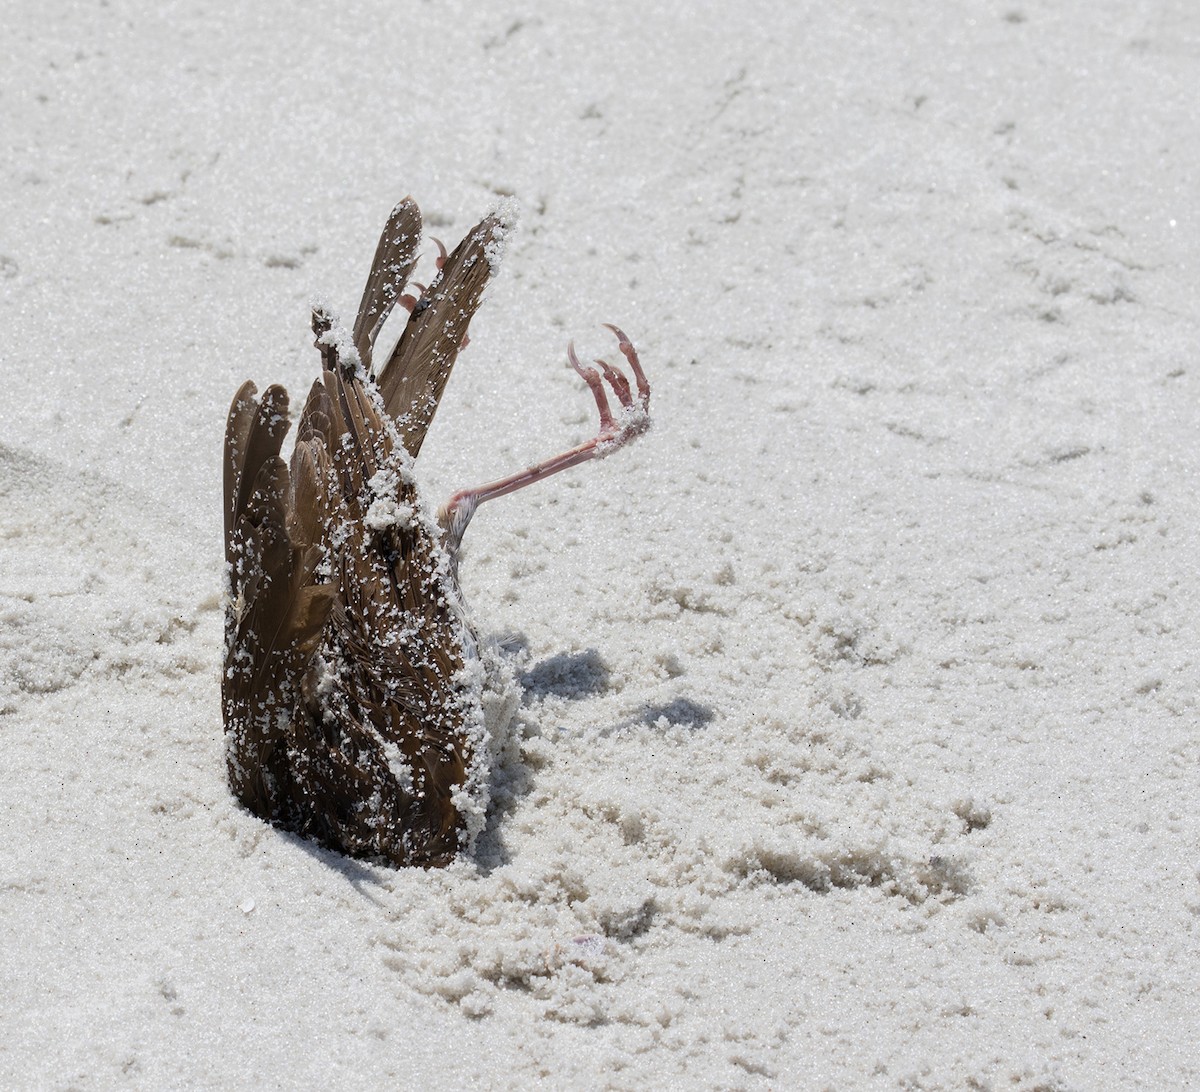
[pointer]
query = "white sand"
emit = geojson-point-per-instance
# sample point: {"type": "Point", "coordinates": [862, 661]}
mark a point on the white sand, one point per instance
{"type": "Point", "coordinates": [859, 745]}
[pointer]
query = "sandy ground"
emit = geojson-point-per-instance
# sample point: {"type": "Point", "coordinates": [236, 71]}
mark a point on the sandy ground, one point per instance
{"type": "Point", "coordinates": [859, 741]}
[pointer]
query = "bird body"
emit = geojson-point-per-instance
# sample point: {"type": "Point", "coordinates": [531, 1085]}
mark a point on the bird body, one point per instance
{"type": "Point", "coordinates": [352, 689]}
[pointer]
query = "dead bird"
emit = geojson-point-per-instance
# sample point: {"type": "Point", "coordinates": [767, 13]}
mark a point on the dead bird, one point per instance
{"type": "Point", "coordinates": [352, 684]}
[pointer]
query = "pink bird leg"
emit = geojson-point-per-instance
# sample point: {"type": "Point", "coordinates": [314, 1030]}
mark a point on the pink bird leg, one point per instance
{"type": "Point", "coordinates": [615, 432]}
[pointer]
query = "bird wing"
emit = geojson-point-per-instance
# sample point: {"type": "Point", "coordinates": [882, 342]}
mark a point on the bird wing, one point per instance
{"type": "Point", "coordinates": [392, 641]}
{"type": "Point", "coordinates": [415, 375]}
{"type": "Point", "coordinates": [391, 267]}
{"type": "Point", "coordinates": [276, 524]}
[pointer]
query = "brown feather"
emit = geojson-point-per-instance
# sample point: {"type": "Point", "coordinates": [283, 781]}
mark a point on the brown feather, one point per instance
{"type": "Point", "coordinates": [254, 434]}
{"type": "Point", "coordinates": [315, 417]}
{"type": "Point", "coordinates": [307, 510]}
{"type": "Point", "coordinates": [237, 428]}
{"type": "Point", "coordinates": [394, 259]}
{"type": "Point", "coordinates": [415, 376]}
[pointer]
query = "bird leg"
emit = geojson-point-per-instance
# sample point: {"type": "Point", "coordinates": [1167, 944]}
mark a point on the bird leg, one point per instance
{"type": "Point", "coordinates": [631, 420]}
{"type": "Point", "coordinates": [409, 300]}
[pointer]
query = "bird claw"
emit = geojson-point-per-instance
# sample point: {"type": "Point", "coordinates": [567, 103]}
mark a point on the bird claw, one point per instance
{"type": "Point", "coordinates": [408, 300]}
{"type": "Point", "coordinates": [615, 431]}
{"type": "Point", "coordinates": [635, 415]}
{"type": "Point", "coordinates": [630, 354]}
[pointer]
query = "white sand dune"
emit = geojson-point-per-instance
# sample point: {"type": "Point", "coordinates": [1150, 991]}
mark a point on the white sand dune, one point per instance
{"type": "Point", "coordinates": [859, 745]}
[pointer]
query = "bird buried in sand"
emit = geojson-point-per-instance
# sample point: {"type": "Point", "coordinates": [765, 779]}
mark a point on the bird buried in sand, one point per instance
{"type": "Point", "coordinates": [352, 690]}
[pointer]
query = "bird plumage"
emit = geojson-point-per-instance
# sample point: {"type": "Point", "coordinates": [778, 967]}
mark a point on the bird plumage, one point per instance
{"type": "Point", "coordinates": [352, 690]}
{"type": "Point", "coordinates": [350, 703]}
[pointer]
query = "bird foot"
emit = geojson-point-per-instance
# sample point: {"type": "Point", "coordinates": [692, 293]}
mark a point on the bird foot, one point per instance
{"type": "Point", "coordinates": [616, 430]}
{"type": "Point", "coordinates": [634, 417]}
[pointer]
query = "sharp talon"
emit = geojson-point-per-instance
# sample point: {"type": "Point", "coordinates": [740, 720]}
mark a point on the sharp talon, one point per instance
{"type": "Point", "coordinates": [592, 378]}
{"type": "Point", "coordinates": [583, 372]}
{"type": "Point", "coordinates": [630, 354]}
{"type": "Point", "coordinates": [441, 259]}
{"type": "Point", "coordinates": [618, 382]}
